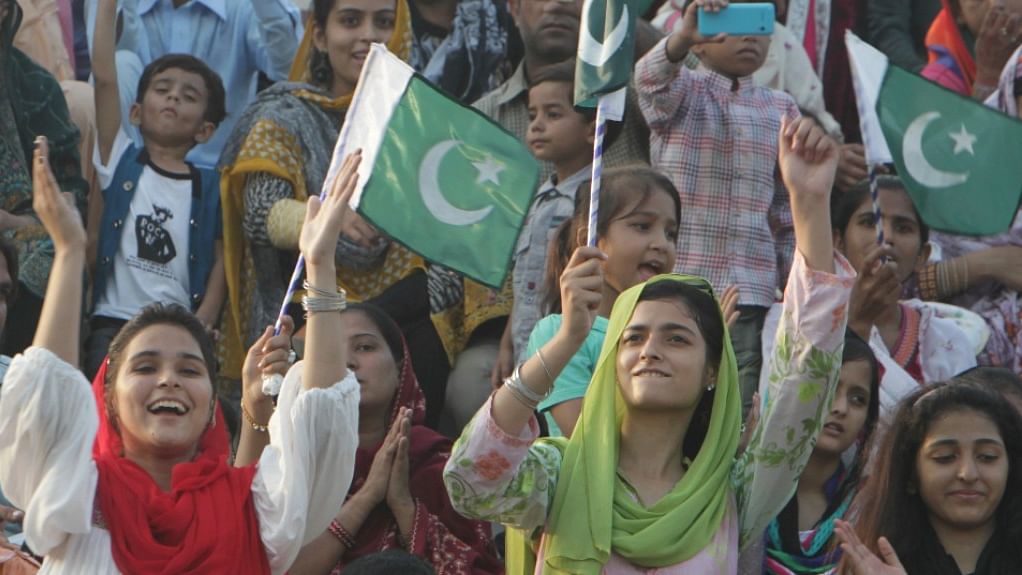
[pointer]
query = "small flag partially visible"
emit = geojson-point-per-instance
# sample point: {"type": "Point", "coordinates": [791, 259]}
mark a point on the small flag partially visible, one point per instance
{"type": "Point", "coordinates": [437, 176]}
{"type": "Point", "coordinates": [958, 159]}
{"type": "Point", "coordinates": [606, 49]}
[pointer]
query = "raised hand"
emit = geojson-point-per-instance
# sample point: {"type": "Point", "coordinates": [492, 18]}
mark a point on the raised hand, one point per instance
{"type": "Point", "coordinates": [687, 36]}
{"type": "Point", "coordinates": [729, 306]}
{"type": "Point", "coordinates": [581, 292]}
{"type": "Point", "coordinates": [851, 167]}
{"type": "Point", "coordinates": [998, 38]}
{"type": "Point", "coordinates": [269, 356]}
{"type": "Point", "coordinates": [861, 560]}
{"type": "Point", "coordinates": [875, 292]}
{"type": "Point", "coordinates": [325, 218]}
{"type": "Point", "coordinates": [55, 209]}
{"type": "Point", "coordinates": [807, 156]}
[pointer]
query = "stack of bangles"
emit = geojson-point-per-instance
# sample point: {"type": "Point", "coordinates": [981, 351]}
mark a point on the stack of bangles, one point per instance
{"type": "Point", "coordinates": [317, 300]}
{"type": "Point", "coordinates": [522, 392]}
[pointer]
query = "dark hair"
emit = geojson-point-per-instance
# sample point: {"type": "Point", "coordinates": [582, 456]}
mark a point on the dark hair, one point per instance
{"type": "Point", "coordinates": [855, 349]}
{"type": "Point", "coordinates": [10, 254]}
{"type": "Point", "coordinates": [562, 72]}
{"type": "Point", "coordinates": [616, 194]}
{"type": "Point", "coordinates": [156, 314]}
{"type": "Point", "coordinates": [705, 311]}
{"type": "Point", "coordinates": [216, 97]}
{"type": "Point", "coordinates": [389, 562]}
{"type": "Point", "coordinates": [843, 206]}
{"type": "Point", "coordinates": [388, 328]}
{"type": "Point", "coordinates": [1000, 379]}
{"type": "Point", "coordinates": [889, 505]}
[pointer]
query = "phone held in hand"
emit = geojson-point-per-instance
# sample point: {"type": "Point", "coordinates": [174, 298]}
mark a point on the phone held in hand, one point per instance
{"type": "Point", "coordinates": [753, 19]}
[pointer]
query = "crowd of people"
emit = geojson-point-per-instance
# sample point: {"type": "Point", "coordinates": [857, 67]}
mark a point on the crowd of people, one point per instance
{"type": "Point", "coordinates": [737, 378]}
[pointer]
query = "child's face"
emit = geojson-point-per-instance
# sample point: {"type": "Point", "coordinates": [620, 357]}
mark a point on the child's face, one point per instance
{"type": "Point", "coordinates": [901, 233]}
{"type": "Point", "coordinates": [557, 133]}
{"type": "Point", "coordinates": [962, 470]}
{"type": "Point", "coordinates": [173, 109]}
{"type": "Point", "coordinates": [735, 57]}
{"type": "Point", "coordinates": [640, 243]}
{"type": "Point", "coordinates": [848, 409]}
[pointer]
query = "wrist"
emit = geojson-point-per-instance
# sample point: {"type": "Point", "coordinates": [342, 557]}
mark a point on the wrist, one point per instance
{"type": "Point", "coordinates": [322, 276]}
{"type": "Point", "coordinates": [677, 47]}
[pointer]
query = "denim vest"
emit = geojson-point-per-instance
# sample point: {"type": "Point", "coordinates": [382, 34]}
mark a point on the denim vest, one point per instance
{"type": "Point", "coordinates": [204, 225]}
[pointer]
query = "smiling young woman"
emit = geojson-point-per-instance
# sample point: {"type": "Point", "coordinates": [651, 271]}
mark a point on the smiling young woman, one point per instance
{"type": "Point", "coordinates": [134, 479]}
{"type": "Point", "coordinates": [944, 496]}
{"type": "Point", "coordinates": [651, 476]}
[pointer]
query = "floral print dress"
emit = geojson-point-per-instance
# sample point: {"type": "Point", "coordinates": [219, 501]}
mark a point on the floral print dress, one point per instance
{"type": "Point", "coordinates": [496, 476]}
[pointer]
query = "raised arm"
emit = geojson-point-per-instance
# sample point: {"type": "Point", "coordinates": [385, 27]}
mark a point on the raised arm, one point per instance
{"type": "Point", "coordinates": [806, 360]}
{"type": "Point", "coordinates": [661, 79]}
{"type": "Point", "coordinates": [59, 321]}
{"type": "Point", "coordinates": [104, 71]}
{"type": "Point", "coordinates": [325, 359]}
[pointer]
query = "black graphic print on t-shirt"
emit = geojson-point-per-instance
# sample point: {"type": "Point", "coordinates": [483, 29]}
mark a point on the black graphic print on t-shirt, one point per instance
{"type": "Point", "coordinates": [154, 242]}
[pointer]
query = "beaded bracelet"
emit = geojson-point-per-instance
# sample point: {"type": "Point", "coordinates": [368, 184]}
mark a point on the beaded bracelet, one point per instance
{"type": "Point", "coordinates": [342, 535]}
{"type": "Point", "coordinates": [251, 420]}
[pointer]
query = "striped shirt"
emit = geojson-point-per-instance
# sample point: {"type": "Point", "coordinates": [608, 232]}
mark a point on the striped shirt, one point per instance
{"type": "Point", "coordinates": [716, 139]}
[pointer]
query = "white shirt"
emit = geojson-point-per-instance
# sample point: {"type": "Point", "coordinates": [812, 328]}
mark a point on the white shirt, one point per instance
{"type": "Point", "coordinates": [48, 422]}
{"type": "Point", "coordinates": [151, 264]}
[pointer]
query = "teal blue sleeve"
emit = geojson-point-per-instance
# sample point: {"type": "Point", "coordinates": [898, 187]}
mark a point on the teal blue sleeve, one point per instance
{"type": "Point", "coordinates": [574, 378]}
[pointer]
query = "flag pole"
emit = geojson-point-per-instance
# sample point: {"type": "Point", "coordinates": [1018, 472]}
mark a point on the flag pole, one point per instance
{"type": "Point", "coordinates": [594, 191]}
{"type": "Point", "coordinates": [874, 192]}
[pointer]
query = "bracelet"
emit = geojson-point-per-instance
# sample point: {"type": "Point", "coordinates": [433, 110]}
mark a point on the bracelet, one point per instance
{"type": "Point", "coordinates": [251, 420]}
{"type": "Point", "coordinates": [530, 405]}
{"type": "Point", "coordinates": [542, 361]}
{"type": "Point", "coordinates": [338, 531]}
{"type": "Point", "coordinates": [515, 384]}
{"type": "Point", "coordinates": [322, 300]}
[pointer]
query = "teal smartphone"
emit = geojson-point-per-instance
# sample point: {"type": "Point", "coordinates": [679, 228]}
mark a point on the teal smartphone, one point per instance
{"type": "Point", "coordinates": [753, 19]}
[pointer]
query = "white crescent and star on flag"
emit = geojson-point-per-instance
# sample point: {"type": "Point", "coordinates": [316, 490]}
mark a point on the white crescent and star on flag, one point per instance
{"type": "Point", "coordinates": [433, 197]}
{"type": "Point", "coordinates": [916, 163]}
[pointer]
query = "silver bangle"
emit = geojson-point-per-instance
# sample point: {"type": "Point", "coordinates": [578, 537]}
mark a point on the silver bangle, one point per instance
{"type": "Point", "coordinates": [515, 383]}
{"type": "Point", "coordinates": [542, 361]}
{"type": "Point", "coordinates": [520, 398]}
{"type": "Point", "coordinates": [322, 300]}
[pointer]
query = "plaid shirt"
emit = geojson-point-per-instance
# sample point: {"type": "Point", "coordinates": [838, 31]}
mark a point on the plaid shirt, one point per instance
{"type": "Point", "coordinates": [718, 145]}
{"type": "Point", "coordinates": [508, 105]}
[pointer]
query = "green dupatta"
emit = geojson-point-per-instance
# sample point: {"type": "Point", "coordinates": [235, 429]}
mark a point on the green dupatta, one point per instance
{"type": "Point", "coordinates": [592, 513]}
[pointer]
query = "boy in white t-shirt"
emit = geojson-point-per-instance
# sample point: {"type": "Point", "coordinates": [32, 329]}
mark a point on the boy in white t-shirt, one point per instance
{"type": "Point", "coordinates": [160, 225]}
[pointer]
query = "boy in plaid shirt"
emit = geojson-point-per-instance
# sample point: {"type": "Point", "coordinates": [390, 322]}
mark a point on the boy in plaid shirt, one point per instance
{"type": "Point", "coordinates": [715, 134]}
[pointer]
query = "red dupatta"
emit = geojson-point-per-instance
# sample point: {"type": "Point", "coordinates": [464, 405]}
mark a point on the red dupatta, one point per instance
{"type": "Point", "coordinates": [206, 523]}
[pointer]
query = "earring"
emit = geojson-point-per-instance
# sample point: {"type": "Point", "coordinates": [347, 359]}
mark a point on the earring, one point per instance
{"type": "Point", "coordinates": [320, 69]}
{"type": "Point", "coordinates": [711, 387]}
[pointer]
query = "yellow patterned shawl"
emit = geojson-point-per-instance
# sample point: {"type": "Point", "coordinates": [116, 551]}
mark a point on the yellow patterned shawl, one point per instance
{"type": "Point", "coordinates": [266, 143]}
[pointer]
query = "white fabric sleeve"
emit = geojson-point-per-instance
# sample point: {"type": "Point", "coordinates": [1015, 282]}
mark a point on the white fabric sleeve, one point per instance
{"type": "Point", "coordinates": [48, 423]}
{"type": "Point", "coordinates": [304, 473]}
{"type": "Point", "coordinates": [105, 174]}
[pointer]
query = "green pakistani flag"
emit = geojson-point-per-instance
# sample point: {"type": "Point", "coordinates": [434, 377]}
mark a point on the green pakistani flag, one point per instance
{"type": "Point", "coordinates": [439, 177]}
{"type": "Point", "coordinates": [606, 47]}
{"type": "Point", "coordinates": [959, 159]}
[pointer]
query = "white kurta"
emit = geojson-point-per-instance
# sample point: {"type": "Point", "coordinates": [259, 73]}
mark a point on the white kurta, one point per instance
{"type": "Point", "coordinates": [48, 422]}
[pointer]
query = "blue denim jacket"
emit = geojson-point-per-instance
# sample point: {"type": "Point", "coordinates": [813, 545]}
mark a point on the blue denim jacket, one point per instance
{"type": "Point", "coordinates": [205, 224]}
